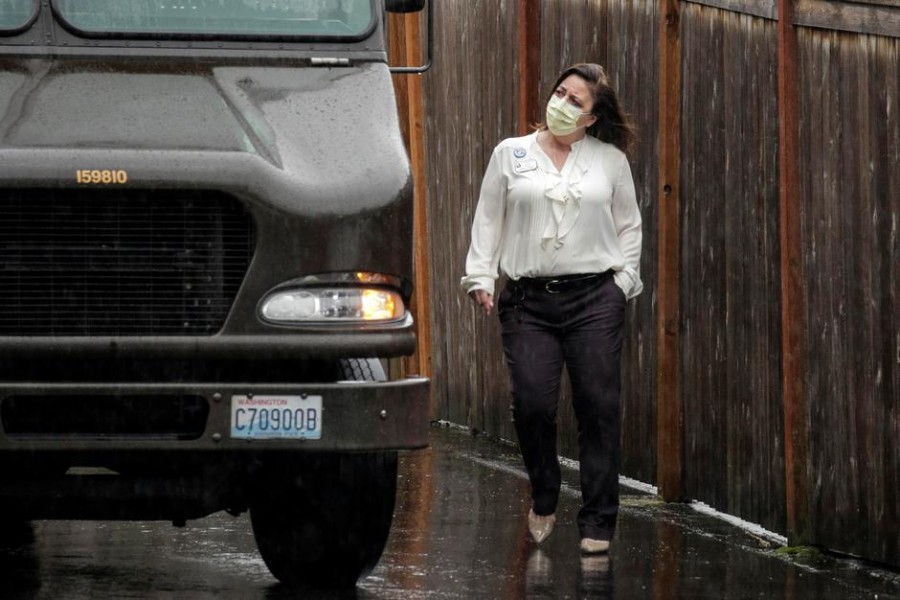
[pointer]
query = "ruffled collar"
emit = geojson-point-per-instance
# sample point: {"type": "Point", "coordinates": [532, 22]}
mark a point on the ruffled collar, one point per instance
{"type": "Point", "coordinates": [563, 190]}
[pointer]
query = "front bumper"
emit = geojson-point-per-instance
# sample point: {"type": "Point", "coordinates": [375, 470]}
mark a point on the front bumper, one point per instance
{"type": "Point", "coordinates": [356, 416]}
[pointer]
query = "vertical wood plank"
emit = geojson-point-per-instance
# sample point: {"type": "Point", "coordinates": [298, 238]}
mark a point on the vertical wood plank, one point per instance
{"type": "Point", "coordinates": [796, 430]}
{"type": "Point", "coordinates": [669, 434]}
{"type": "Point", "coordinates": [857, 281]}
{"type": "Point", "coordinates": [405, 43]}
{"type": "Point", "coordinates": [769, 494]}
{"type": "Point", "coordinates": [736, 250]}
{"type": "Point", "coordinates": [889, 72]}
{"type": "Point", "coordinates": [420, 362]}
{"type": "Point", "coordinates": [889, 320]}
{"type": "Point", "coordinates": [529, 64]}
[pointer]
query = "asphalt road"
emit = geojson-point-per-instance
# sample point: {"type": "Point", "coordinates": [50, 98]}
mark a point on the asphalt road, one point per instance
{"type": "Point", "coordinates": [459, 533]}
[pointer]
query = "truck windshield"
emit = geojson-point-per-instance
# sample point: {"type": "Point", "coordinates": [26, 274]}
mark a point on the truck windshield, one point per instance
{"type": "Point", "coordinates": [203, 18]}
{"type": "Point", "coordinates": [15, 13]}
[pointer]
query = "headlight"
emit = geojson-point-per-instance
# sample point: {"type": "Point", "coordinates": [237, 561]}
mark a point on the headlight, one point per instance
{"type": "Point", "coordinates": [333, 305]}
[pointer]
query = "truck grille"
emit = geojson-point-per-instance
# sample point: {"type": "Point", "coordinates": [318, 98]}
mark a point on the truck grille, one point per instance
{"type": "Point", "coordinates": [119, 263]}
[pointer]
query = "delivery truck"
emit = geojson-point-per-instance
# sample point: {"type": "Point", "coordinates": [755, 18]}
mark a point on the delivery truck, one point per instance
{"type": "Point", "coordinates": [206, 261]}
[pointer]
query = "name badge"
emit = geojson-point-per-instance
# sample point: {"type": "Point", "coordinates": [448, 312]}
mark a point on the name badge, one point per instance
{"type": "Point", "coordinates": [523, 166]}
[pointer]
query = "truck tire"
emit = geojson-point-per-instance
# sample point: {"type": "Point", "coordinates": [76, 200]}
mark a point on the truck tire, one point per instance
{"type": "Point", "coordinates": [361, 369]}
{"type": "Point", "coordinates": [322, 520]}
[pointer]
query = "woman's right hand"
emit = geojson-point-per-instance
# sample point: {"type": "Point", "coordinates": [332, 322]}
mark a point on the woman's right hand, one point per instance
{"type": "Point", "coordinates": [483, 299]}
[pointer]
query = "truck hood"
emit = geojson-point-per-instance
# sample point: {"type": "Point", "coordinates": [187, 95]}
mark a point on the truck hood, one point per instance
{"type": "Point", "coordinates": [326, 131]}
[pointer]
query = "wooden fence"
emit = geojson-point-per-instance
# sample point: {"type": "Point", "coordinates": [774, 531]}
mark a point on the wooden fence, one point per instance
{"type": "Point", "coordinates": [762, 366]}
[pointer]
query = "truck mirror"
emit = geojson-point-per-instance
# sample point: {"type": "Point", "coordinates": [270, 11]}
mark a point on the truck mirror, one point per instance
{"type": "Point", "coordinates": [404, 6]}
{"type": "Point", "coordinates": [411, 6]}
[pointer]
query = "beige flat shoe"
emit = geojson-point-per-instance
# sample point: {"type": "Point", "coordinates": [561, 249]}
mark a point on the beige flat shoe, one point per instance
{"type": "Point", "coordinates": [589, 546]}
{"type": "Point", "coordinates": [540, 526]}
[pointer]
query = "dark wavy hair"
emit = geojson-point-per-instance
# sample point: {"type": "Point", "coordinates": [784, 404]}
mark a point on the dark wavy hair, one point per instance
{"type": "Point", "coordinates": [612, 124]}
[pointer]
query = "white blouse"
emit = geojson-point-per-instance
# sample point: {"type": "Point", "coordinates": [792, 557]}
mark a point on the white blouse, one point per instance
{"type": "Point", "coordinates": [535, 221]}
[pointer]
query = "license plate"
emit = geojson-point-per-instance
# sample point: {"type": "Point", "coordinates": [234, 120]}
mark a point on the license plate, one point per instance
{"type": "Point", "coordinates": [276, 417]}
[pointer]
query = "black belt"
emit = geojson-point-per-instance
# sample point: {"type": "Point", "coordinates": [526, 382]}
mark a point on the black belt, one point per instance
{"type": "Point", "coordinates": [562, 283]}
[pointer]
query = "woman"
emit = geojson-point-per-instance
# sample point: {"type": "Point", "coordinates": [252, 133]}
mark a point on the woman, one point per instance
{"type": "Point", "coordinates": [558, 216]}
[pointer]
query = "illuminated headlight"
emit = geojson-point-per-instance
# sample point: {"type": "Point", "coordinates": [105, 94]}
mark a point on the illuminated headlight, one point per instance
{"type": "Point", "coordinates": [333, 305]}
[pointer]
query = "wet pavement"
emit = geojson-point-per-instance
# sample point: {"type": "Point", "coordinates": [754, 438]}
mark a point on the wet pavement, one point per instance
{"type": "Point", "coordinates": [459, 533]}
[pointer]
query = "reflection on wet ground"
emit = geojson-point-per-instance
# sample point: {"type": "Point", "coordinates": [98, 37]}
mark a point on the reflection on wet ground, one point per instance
{"type": "Point", "coordinates": [459, 533]}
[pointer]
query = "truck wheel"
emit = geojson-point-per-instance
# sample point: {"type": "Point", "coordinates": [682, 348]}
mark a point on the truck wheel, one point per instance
{"type": "Point", "coordinates": [15, 532]}
{"type": "Point", "coordinates": [322, 520]}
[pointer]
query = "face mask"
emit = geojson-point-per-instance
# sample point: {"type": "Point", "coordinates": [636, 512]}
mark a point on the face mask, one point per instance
{"type": "Point", "coordinates": [562, 116]}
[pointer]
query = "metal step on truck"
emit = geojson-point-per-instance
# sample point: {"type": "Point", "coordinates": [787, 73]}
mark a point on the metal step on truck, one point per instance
{"type": "Point", "coordinates": [206, 222]}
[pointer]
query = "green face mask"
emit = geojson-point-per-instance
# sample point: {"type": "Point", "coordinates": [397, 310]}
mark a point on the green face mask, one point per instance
{"type": "Point", "coordinates": [562, 117]}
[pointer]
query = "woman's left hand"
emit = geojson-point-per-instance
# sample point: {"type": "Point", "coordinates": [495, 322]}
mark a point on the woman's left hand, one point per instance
{"type": "Point", "coordinates": [484, 299]}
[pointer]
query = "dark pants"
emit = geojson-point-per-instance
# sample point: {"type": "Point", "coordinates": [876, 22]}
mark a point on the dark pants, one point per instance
{"type": "Point", "coordinates": [577, 323]}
